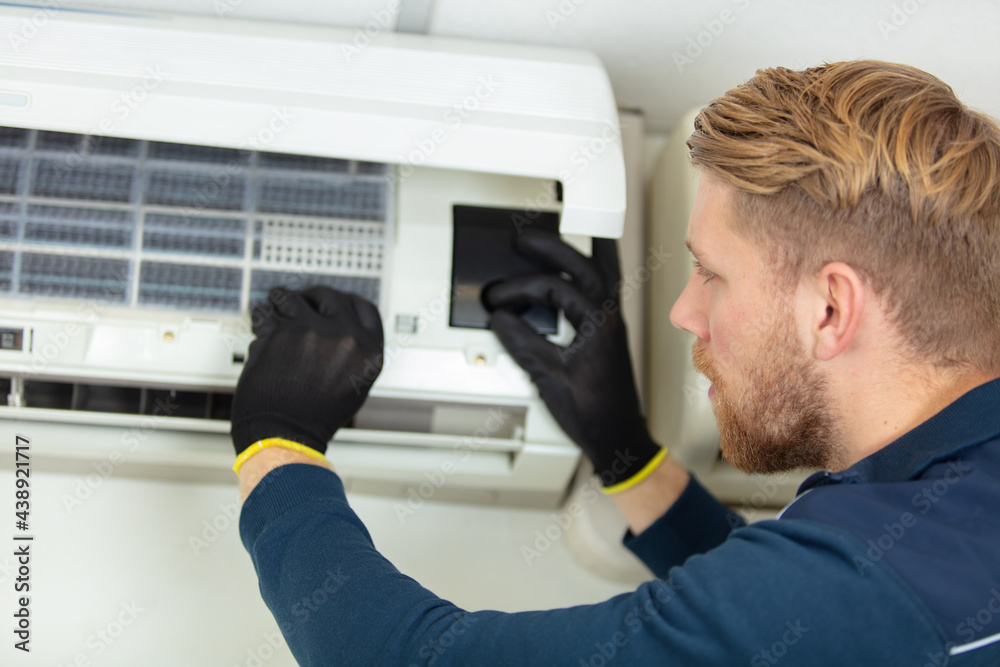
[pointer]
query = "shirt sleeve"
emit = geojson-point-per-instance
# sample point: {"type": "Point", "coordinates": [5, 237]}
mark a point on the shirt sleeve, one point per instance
{"type": "Point", "coordinates": [765, 593]}
{"type": "Point", "coordinates": [694, 524]}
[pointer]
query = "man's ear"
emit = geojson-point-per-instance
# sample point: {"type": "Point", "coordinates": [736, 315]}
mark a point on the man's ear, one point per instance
{"type": "Point", "coordinates": [840, 303]}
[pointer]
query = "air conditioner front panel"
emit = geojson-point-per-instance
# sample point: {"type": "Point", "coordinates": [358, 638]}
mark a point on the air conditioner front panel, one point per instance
{"type": "Point", "coordinates": [130, 267]}
{"type": "Point", "coordinates": [159, 174]}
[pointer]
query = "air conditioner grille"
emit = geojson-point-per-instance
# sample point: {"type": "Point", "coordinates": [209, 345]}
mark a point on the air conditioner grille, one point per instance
{"type": "Point", "coordinates": [9, 170]}
{"type": "Point", "coordinates": [190, 286]}
{"type": "Point", "coordinates": [13, 136]}
{"type": "Point", "coordinates": [261, 283]}
{"type": "Point", "coordinates": [6, 270]}
{"type": "Point", "coordinates": [158, 224]}
{"type": "Point", "coordinates": [75, 277]}
{"type": "Point", "coordinates": [305, 163]}
{"type": "Point", "coordinates": [211, 237]}
{"type": "Point", "coordinates": [53, 179]}
{"type": "Point", "coordinates": [195, 190]}
{"type": "Point", "coordinates": [359, 201]}
{"type": "Point", "coordinates": [159, 150]}
{"type": "Point", "coordinates": [94, 227]}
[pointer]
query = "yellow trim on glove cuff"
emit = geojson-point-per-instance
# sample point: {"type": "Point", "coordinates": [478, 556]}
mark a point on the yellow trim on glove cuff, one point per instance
{"type": "Point", "coordinates": [646, 471]}
{"type": "Point", "coordinates": [277, 442]}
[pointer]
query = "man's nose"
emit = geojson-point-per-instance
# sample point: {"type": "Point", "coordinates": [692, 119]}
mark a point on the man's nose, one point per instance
{"type": "Point", "coordinates": [686, 314]}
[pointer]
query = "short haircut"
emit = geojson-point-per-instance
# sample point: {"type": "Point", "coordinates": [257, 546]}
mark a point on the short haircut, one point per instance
{"type": "Point", "coordinates": [880, 166]}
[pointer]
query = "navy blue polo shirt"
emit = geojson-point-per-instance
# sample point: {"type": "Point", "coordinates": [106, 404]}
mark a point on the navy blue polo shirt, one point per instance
{"type": "Point", "coordinates": [894, 561]}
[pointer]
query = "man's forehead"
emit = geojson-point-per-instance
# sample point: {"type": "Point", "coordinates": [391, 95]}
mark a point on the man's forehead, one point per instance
{"type": "Point", "coordinates": [711, 237]}
{"type": "Point", "coordinates": [708, 225]}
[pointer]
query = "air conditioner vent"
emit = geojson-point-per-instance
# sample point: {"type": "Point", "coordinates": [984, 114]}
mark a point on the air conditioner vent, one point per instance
{"type": "Point", "coordinates": [89, 227]}
{"type": "Point", "coordinates": [45, 274]}
{"type": "Point", "coordinates": [15, 137]}
{"type": "Point", "coordinates": [261, 283]}
{"type": "Point", "coordinates": [194, 235]}
{"type": "Point", "coordinates": [119, 399]}
{"type": "Point", "coordinates": [190, 286]}
{"type": "Point", "coordinates": [416, 421]}
{"type": "Point", "coordinates": [6, 271]}
{"type": "Point", "coordinates": [183, 226]}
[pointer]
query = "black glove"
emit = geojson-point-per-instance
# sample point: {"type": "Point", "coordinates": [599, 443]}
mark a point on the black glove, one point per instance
{"type": "Point", "coordinates": [588, 387]}
{"type": "Point", "coordinates": [316, 355]}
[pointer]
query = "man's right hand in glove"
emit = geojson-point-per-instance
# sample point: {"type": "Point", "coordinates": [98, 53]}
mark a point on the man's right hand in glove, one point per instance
{"type": "Point", "coordinates": [588, 386]}
{"type": "Point", "coordinates": [316, 355]}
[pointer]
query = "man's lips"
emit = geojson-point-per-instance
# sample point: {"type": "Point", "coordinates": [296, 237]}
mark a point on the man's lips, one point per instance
{"type": "Point", "coordinates": [711, 392]}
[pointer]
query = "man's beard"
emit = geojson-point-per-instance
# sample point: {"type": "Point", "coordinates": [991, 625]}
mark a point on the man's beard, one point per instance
{"type": "Point", "coordinates": [775, 416]}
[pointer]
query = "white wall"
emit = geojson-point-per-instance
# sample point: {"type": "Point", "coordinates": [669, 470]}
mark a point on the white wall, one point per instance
{"type": "Point", "coordinates": [665, 56]}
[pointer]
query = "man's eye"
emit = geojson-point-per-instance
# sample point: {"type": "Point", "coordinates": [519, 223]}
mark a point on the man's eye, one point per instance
{"type": "Point", "coordinates": [702, 271]}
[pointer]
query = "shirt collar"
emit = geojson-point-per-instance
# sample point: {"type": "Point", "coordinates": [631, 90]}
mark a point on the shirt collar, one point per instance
{"type": "Point", "coordinates": [970, 420]}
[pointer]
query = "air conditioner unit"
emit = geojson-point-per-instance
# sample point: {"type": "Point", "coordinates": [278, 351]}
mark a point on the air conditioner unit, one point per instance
{"type": "Point", "coordinates": [159, 174]}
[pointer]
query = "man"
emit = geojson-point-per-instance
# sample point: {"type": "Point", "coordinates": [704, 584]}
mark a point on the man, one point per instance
{"type": "Point", "coordinates": [846, 303]}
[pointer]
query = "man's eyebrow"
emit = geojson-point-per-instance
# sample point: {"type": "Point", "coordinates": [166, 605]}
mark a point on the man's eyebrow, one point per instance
{"type": "Point", "coordinates": [696, 253]}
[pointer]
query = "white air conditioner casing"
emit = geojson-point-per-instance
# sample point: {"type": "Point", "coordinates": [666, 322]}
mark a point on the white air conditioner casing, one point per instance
{"type": "Point", "coordinates": [291, 151]}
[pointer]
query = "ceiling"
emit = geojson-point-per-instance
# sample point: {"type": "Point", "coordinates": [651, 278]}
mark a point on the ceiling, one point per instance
{"type": "Point", "coordinates": [651, 47]}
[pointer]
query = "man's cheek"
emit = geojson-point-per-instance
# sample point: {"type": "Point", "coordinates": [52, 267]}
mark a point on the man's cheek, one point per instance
{"type": "Point", "coordinates": [725, 340]}
{"type": "Point", "coordinates": [730, 356]}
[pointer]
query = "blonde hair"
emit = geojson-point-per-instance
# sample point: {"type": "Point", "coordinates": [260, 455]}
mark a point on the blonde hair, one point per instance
{"type": "Point", "coordinates": [878, 165]}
